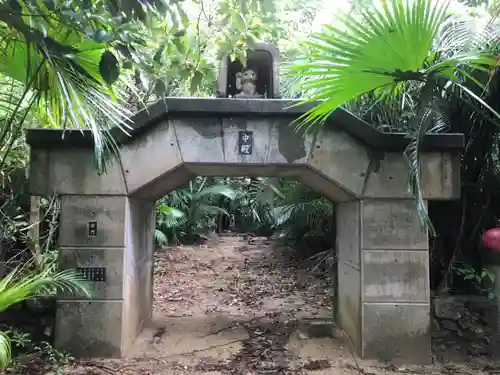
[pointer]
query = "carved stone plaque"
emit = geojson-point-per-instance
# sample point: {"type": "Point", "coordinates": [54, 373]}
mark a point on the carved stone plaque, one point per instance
{"type": "Point", "coordinates": [92, 229]}
{"type": "Point", "coordinates": [93, 273]}
{"type": "Point", "coordinates": [245, 142]}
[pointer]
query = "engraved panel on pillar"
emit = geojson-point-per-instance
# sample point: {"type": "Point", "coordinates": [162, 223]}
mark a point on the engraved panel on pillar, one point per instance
{"type": "Point", "coordinates": [93, 221]}
{"type": "Point", "coordinates": [108, 261]}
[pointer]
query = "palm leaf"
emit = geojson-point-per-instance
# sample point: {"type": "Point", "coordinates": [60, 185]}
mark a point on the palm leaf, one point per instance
{"type": "Point", "coordinates": [382, 52]}
{"type": "Point", "coordinates": [24, 283]}
{"type": "Point", "coordinates": [375, 52]}
{"type": "Point", "coordinates": [224, 190]}
{"type": "Point", "coordinates": [160, 237]}
{"type": "Point", "coordinates": [5, 350]}
{"type": "Point", "coordinates": [62, 84]}
{"type": "Point", "coordinates": [170, 211]}
{"type": "Point", "coordinates": [20, 284]}
{"type": "Point", "coordinates": [467, 30]}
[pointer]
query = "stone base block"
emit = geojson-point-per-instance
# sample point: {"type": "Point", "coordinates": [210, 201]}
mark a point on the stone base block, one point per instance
{"type": "Point", "coordinates": [89, 329]}
{"type": "Point", "coordinates": [399, 333]}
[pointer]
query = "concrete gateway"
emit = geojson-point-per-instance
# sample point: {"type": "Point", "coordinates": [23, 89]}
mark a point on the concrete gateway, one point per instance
{"type": "Point", "coordinates": [108, 221]}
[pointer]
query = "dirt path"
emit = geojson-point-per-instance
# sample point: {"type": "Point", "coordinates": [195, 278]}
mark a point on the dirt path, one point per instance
{"type": "Point", "coordinates": [234, 306]}
{"type": "Point", "coordinates": [238, 307]}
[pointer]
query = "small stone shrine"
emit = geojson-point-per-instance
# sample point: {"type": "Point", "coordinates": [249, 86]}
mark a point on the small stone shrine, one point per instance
{"type": "Point", "coordinates": [258, 78]}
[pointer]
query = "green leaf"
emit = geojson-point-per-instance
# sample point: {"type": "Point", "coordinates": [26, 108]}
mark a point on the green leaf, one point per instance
{"type": "Point", "coordinates": [171, 211]}
{"type": "Point", "coordinates": [160, 237]}
{"type": "Point", "coordinates": [490, 275]}
{"type": "Point", "coordinates": [157, 57]}
{"type": "Point", "coordinates": [15, 6]}
{"type": "Point", "coordinates": [102, 36]}
{"type": "Point", "coordinates": [5, 350]}
{"type": "Point", "coordinates": [179, 33]}
{"type": "Point", "coordinates": [480, 100]}
{"type": "Point", "coordinates": [50, 4]}
{"type": "Point", "coordinates": [24, 283]}
{"type": "Point", "coordinates": [195, 82]}
{"type": "Point", "coordinates": [356, 56]}
{"type": "Point", "coordinates": [179, 44]}
{"type": "Point", "coordinates": [109, 67]}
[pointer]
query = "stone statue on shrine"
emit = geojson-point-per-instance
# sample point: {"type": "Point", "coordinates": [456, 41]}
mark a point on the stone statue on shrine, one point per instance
{"type": "Point", "coordinates": [246, 83]}
{"type": "Point", "coordinates": [257, 77]}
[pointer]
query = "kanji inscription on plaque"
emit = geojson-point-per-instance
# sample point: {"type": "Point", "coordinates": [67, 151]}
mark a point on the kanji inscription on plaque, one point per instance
{"type": "Point", "coordinates": [93, 273]}
{"type": "Point", "coordinates": [245, 142]}
{"type": "Point", "coordinates": [92, 229]}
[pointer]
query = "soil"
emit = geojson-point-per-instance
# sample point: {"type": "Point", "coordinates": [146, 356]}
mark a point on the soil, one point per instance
{"type": "Point", "coordinates": [236, 306]}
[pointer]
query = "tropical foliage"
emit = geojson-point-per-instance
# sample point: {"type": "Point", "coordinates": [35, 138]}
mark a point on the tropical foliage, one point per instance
{"type": "Point", "coordinates": [263, 206]}
{"type": "Point", "coordinates": [191, 211]}
{"type": "Point", "coordinates": [447, 82]}
{"type": "Point", "coordinates": [370, 53]}
{"type": "Point", "coordinates": [30, 281]}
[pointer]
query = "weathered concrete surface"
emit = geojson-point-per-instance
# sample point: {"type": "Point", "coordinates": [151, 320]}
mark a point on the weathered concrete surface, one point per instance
{"type": "Point", "coordinates": [383, 261]}
{"type": "Point", "coordinates": [72, 171]}
{"type": "Point", "coordinates": [124, 245]}
{"type": "Point", "coordinates": [138, 269]}
{"type": "Point", "coordinates": [90, 328]}
{"type": "Point", "coordinates": [209, 146]}
{"type": "Point", "coordinates": [440, 176]}
{"type": "Point", "coordinates": [78, 210]}
{"type": "Point", "coordinates": [112, 257]}
{"type": "Point", "coordinates": [383, 271]}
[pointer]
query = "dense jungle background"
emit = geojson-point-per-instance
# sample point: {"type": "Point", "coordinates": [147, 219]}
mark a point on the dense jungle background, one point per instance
{"type": "Point", "coordinates": [92, 64]}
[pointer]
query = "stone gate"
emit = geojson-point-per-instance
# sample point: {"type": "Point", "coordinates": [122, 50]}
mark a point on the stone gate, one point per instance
{"type": "Point", "coordinates": [107, 221]}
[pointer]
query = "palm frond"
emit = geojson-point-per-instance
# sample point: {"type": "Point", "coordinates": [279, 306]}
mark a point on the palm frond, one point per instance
{"type": "Point", "coordinates": [22, 284]}
{"type": "Point", "coordinates": [388, 50]}
{"type": "Point", "coordinates": [467, 30]}
{"type": "Point", "coordinates": [5, 350]}
{"type": "Point", "coordinates": [160, 237]}
{"type": "Point", "coordinates": [386, 46]}
{"type": "Point", "coordinates": [306, 214]}
{"type": "Point", "coordinates": [60, 78]}
{"type": "Point", "coordinates": [28, 281]}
